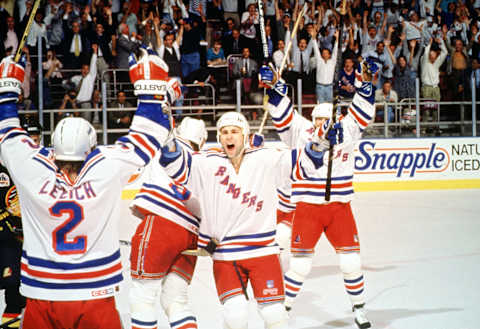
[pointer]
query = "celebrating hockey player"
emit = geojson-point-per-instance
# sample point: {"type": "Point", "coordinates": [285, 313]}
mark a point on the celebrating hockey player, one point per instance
{"type": "Point", "coordinates": [11, 238]}
{"type": "Point", "coordinates": [313, 215]}
{"type": "Point", "coordinates": [157, 266]}
{"type": "Point", "coordinates": [235, 189]}
{"type": "Point", "coordinates": [71, 266]}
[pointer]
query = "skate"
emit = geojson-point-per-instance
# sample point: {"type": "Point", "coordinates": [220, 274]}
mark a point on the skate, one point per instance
{"type": "Point", "coordinates": [360, 318]}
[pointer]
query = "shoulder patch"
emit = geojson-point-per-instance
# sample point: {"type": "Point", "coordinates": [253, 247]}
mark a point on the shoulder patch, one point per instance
{"type": "Point", "coordinates": [4, 180]}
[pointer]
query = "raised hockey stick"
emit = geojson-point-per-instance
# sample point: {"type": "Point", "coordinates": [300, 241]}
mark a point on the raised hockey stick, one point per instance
{"type": "Point", "coordinates": [27, 30]}
{"type": "Point", "coordinates": [338, 64]}
{"type": "Point", "coordinates": [263, 34]}
{"type": "Point", "coordinates": [283, 63]}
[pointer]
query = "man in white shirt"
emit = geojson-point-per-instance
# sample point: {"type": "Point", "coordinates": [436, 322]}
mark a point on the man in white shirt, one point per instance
{"type": "Point", "coordinates": [370, 35]}
{"type": "Point", "coordinates": [431, 62]}
{"type": "Point", "coordinates": [385, 95]}
{"type": "Point", "coordinates": [86, 85]}
{"type": "Point", "coordinates": [11, 37]}
{"type": "Point", "coordinates": [300, 66]}
{"type": "Point", "coordinates": [279, 54]}
{"type": "Point", "coordinates": [326, 61]}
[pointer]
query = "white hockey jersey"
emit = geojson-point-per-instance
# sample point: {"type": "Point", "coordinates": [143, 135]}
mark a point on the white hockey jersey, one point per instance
{"type": "Point", "coordinates": [284, 199]}
{"type": "Point", "coordinates": [238, 210]}
{"type": "Point", "coordinates": [296, 131]}
{"type": "Point", "coordinates": [71, 247]}
{"type": "Point", "coordinates": [161, 196]}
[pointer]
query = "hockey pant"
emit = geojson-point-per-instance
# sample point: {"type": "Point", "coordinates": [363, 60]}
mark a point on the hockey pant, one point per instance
{"type": "Point", "coordinates": [88, 314]}
{"type": "Point", "coordinates": [159, 270]}
{"type": "Point", "coordinates": [336, 220]}
{"type": "Point", "coordinates": [265, 276]}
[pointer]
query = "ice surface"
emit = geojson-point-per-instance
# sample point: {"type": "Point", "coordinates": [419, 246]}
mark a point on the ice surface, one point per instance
{"type": "Point", "coordinates": [421, 259]}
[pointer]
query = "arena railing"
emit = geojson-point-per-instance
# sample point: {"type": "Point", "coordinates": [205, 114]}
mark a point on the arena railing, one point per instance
{"type": "Point", "coordinates": [466, 126]}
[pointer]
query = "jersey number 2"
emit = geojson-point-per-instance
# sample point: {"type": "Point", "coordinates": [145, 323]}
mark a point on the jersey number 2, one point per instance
{"type": "Point", "coordinates": [61, 244]}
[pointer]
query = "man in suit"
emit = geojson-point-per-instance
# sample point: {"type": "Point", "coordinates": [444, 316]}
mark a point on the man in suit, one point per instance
{"type": "Point", "coordinates": [246, 69]}
{"type": "Point", "coordinates": [76, 46]}
{"type": "Point", "coordinates": [126, 44]}
{"type": "Point", "coordinates": [119, 119]}
{"type": "Point", "coordinates": [234, 43]}
{"type": "Point", "coordinates": [102, 38]}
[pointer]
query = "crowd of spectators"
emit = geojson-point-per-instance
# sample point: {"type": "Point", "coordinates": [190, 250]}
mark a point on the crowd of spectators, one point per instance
{"type": "Point", "coordinates": [434, 40]}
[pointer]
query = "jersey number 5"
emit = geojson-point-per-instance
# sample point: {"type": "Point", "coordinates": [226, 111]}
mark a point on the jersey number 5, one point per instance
{"type": "Point", "coordinates": [61, 244]}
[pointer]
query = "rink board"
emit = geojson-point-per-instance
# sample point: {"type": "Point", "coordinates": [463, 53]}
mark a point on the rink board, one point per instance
{"type": "Point", "coordinates": [403, 164]}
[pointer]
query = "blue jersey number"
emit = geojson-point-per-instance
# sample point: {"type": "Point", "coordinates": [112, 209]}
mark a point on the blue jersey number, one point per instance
{"type": "Point", "coordinates": [61, 245]}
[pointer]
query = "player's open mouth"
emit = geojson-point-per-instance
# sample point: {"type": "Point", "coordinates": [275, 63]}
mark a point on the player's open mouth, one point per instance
{"type": "Point", "coordinates": [230, 147]}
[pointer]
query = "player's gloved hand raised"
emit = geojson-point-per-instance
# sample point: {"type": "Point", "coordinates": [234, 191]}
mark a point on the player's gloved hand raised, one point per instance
{"type": "Point", "coordinates": [366, 71]}
{"type": "Point", "coordinates": [257, 140]}
{"type": "Point", "coordinates": [155, 90]}
{"type": "Point", "coordinates": [12, 75]}
{"type": "Point", "coordinates": [268, 76]}
{"type": "Point", "coordinates": [329, 134]}
{"type": "Point", "coordinates": [148, 72]}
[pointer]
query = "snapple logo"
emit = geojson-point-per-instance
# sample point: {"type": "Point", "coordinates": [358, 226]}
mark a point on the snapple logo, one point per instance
{"type": "Point", "coordinates": [400, 161]}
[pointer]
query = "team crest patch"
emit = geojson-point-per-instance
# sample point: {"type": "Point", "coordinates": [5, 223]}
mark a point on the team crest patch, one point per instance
{"type": "Point", "coordinates": [270, 290]}
{"type": "Point", "coordinates": [4, 180]}
{"type": "Point", "coordinates": [7, 272]}
{"type": "Point", "coordinates": [297, 239]}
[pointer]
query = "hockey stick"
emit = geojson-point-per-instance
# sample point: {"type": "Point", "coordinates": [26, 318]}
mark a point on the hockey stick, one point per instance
{"type": "Point", "coordinates": [338, 64]}
{"type": "Point", "coordinates": [27, 30]}
{"type": "Point", "coordinates": [282, 64]}
{"type": "Point", "coordinates": [263, 34]}
{"type": "Point", "coordinates": [207, 251]}
{"type": "Point", "coordinates": [244, 287]}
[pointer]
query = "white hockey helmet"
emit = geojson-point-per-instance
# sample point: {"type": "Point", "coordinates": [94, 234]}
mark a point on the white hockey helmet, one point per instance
{"type": "Point", "coordinates": [73, 139]}
{"type": "Point", "coordinates": [322, 110]}
{"type": "Point", "coordinates": [236, 119]}
{"type": "Point", "coordinates": [193, 130]}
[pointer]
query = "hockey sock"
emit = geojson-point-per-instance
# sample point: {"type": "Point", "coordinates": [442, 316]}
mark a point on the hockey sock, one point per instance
{"type": "Point", "coordinates": [354, 285]}
{"type": "Point", "coordinates": [143, 294]}
{"type": "Point", "coordinates": [350, 266]}
{"type": "Point", "coordinates": [174, 300]}
{"type": "Point", "coordinates": [297, 274]}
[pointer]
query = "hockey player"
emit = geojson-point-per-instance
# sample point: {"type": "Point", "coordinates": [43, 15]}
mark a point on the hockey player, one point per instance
{"type": "Point", "coordinates": [286, 208]}
{"type": "Point", "coordinates": [157, 266]}
{"type": "Point", "coordinates": [11, 239]}
{"type": "Point", "coordinates": [313, 214]}
{"type": "Point", "coordinates": [10, 249]}
{"type": "Point", "coordinates": [33, 129]}
{"type": "Point", "coordinates": [236, 192]}
{"type": "Point", "coordinates": [71, 266]}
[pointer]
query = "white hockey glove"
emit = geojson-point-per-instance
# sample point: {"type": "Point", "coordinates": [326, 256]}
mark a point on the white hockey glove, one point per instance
{"type": "Point", "coordinates": [148, 72]}
{"type": "Point", "coordinates": [155, 90]}
{"type": "Point", "coordinates": [12, 75]}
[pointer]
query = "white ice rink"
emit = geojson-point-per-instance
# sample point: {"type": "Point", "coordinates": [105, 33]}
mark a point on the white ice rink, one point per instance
{"type": "Point", "coordinates": [421, 258]}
